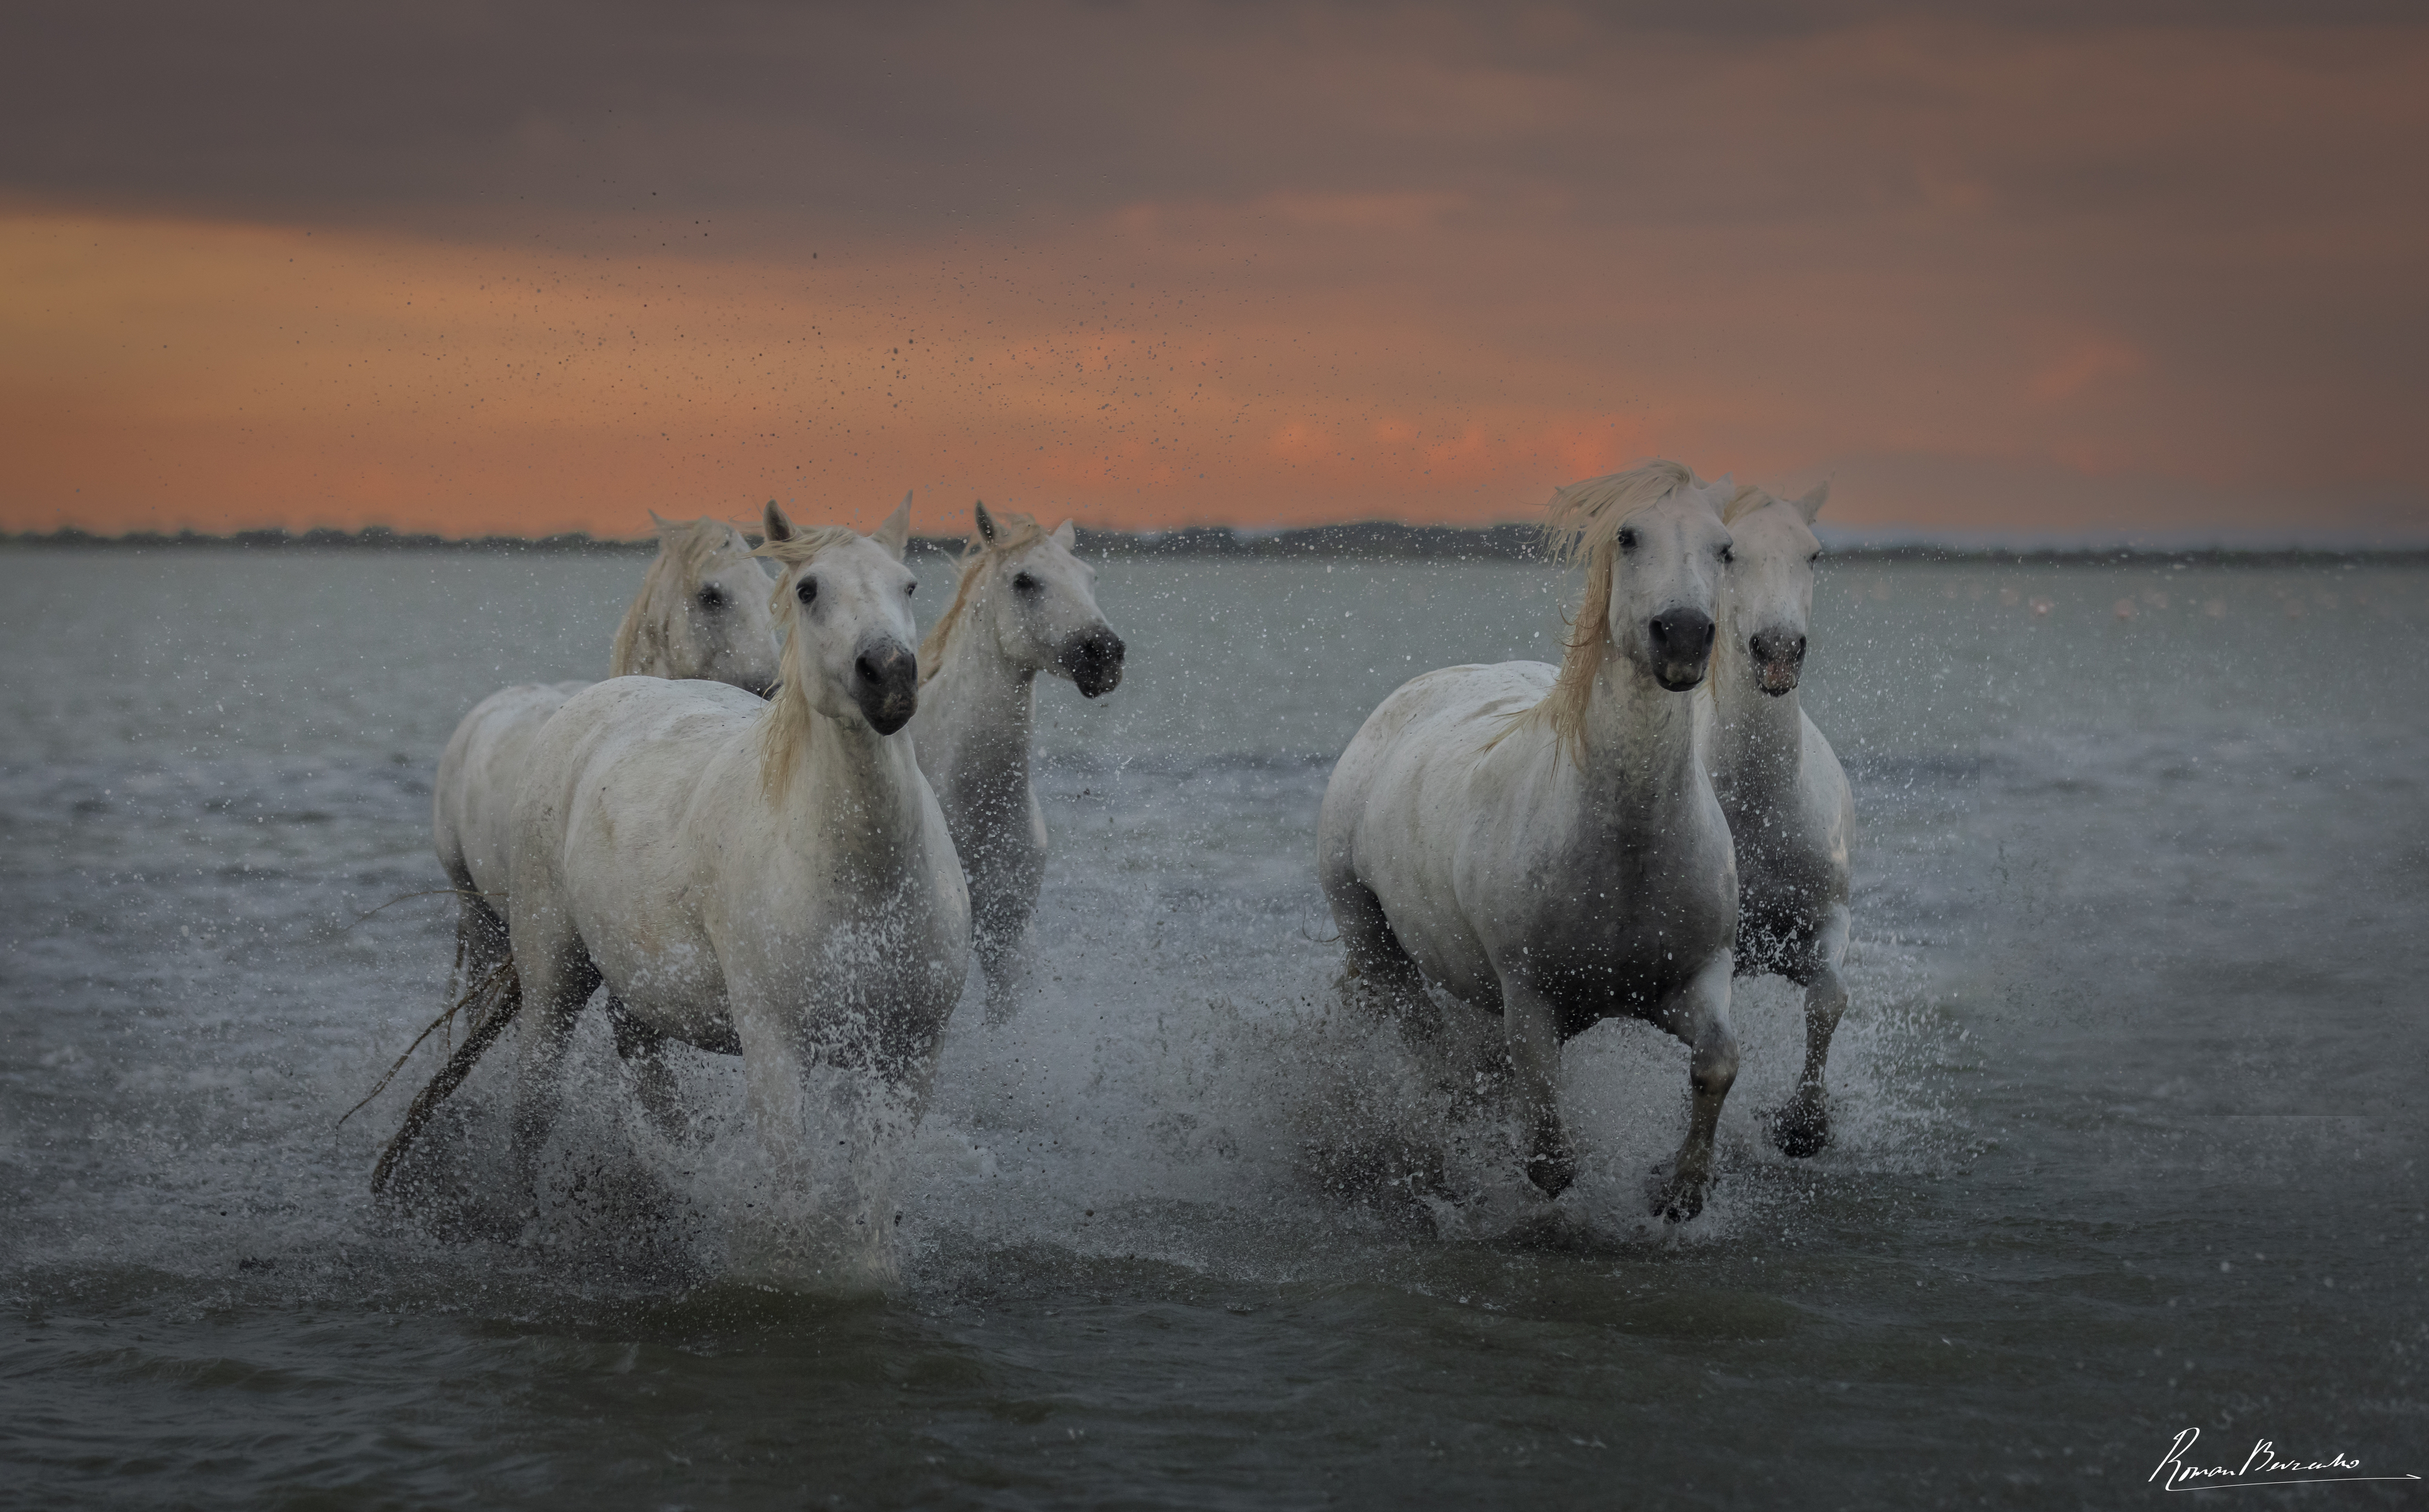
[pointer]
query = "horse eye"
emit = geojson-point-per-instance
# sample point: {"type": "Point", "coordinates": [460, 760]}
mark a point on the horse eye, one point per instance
{"type": "Point", "coordinates": [910, 588]}
{"type": "Point", "coordinates": [1023, 583]}
{"type": "Point", "coordinates": [1628, 540]}
{"type": "Point", "coordinates": [806, 590]}
{"type": "Point", "coordinates": [1729, 555]}
{"type": "Point", "coordinates": [712, 599]}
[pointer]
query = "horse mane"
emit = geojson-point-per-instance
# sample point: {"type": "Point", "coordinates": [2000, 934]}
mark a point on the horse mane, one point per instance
{"type": "Point", "coordinates": [1747, 500]}
{"type": "Point", "coordinates": [1013, 531]}
{"type": "Point", "coordinates": [686, 547]}
{"type": "Point", "coordinates": [785, 726]}
{"type": "Point", "coordinates": [1582, 523]}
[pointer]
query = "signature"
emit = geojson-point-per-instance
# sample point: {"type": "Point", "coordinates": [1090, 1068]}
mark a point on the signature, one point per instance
{"type": "Point", "coordinates": [2264, 1466]}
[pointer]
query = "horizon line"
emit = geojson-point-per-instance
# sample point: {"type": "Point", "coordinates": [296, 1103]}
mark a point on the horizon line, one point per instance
{"type": "Point", "coordinates": [1509, 540]}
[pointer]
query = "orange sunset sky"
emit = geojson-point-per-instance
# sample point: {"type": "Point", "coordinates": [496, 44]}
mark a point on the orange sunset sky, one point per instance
{"type": "Point", "coordinates": [2024, 270]}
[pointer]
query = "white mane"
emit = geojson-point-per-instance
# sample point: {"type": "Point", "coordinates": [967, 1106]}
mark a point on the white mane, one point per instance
{"type": "Point", "coordinates": [1013, 530]}
{"type": "Point", "coordinates": [1582, 522]}
{"type": "Point", "coordinates": [786, 723]}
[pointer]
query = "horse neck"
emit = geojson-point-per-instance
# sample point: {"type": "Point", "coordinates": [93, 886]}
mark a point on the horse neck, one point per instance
{"type": "Point", "coordinates": [1757, 737]}
{"type": "Point", "coordinates": [982, 706]}
{"type": "Point", "coordinates": [1643, 748]}
{"type": "Point", "coordinates": [856, 789]}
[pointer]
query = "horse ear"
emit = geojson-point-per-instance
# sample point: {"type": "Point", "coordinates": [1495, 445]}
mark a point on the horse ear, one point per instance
{"type": "Point", "coordinates": [1720, 491]}
{"type": "Point", "coordinates": [1065, 537]}
{"type": "Point", "coordinates": [1815, 496]}
{"type": "Point", "coordinates": [895, 535]}
{"type": "Point", "coordinates": [986, 522]}
{"type": "Point", "coordinates": [774, 525]}
{"type": "Point", "coordinates": [657, 520]}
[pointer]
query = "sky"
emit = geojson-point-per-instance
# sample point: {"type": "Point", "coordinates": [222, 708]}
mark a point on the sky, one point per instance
{"type": "Point", "coordinates": [2020, 271]}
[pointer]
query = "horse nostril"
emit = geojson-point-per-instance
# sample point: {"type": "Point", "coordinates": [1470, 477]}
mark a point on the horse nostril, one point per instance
{"type": "Point", "coordinates": [1094, 661]}
{"type": "Point", "coordinates": [1773, 646]}
{"type": "Point", "coordinates": [867, 668]}
{"type": "Point", "coordinates": [1685, 633]}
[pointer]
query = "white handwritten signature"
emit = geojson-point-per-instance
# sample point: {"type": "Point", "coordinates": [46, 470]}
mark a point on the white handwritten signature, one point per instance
{"type": "Point", "coordinates": [2264, 1466]}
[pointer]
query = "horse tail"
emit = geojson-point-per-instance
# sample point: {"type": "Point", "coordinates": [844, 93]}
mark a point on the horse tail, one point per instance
{"type": "Point", "coordinates": [494, 1001]}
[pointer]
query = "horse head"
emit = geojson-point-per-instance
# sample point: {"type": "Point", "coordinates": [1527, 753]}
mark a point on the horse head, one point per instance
{"type": "Point", "coordinates": [702, 611]}
{"type": "Point", "coordinates": [1037, 602]}
{"type": "Point", "coordinates": [1667, 566]}
{"type": "Point", "coordinates": [847, 600]}
{"type": "Point", "coordinates": [1768, 600]}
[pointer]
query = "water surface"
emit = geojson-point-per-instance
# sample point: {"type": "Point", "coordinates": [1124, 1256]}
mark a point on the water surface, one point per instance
{"type": "Point", "coordinates": [2129, 1136]}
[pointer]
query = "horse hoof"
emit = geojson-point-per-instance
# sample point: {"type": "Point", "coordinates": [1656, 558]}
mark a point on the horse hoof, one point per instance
{"type": "Point", "coordinates": [1552, 1173]}
{"type": "Point", "coordinates": [1674, 1199]}
{"type": "Point", "coordinates": [1678, 1206]}
{"type": "Point", "coordinates": [1798, 1134]}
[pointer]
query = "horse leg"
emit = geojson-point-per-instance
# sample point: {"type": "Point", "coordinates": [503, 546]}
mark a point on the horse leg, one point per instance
{"type": "Point", "coordinates": [1003, 894]}
{"type": "Point", "coordinates": [775, 1061]}
{"type": "Point", "coordinates": [809, 1147]}
{"type": "Point", "coordinates": [643, 1051]}
{"type": "Point", "coordinates": [557, 979]}
{"type": "Point", "coordinates": [1699, 1015]}
{"type": "Point", "coordinates": [1534, 1040]}
{"type": "Point", "coordinates": [1378, 963]}
{"type": "Point", "coordinates": [1803, 1127]}
{"type": "Point", "coordinates": [1004, 962]}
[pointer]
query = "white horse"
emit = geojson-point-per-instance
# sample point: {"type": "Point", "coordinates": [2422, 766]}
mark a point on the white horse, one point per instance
{"type": "Point", "coordinates": [701, 613]}
{"type": "Point", "coordinates": [1547, 844]}
{"type": "Point", "coordinates": [1786, 797]}
{"type": "Point", "coordinates": [772, 879]}
{"type": "Point", "coordinates": [1024, 605]}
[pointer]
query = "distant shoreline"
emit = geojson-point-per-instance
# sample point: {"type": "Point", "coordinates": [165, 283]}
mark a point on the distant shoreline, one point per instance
{"type": "Point", "coordinates": [1369, 540]}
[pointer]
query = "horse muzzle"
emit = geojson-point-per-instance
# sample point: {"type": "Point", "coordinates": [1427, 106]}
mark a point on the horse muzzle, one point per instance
{"type": "Point", "coordinates": [885, 685]}
{"type": "Point", "coordinates": [1094, 661]}
{"type": "Point", "coordinates": [1681, 642]}
{"type": "Point", "coordinates": [1778, 660]}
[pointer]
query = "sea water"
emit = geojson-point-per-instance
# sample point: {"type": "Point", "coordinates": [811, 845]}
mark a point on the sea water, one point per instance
{"type": "Point", "coordinates": [2128, 1136]}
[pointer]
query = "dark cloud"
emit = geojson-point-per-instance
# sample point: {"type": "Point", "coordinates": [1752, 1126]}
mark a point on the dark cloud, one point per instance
{"type": "Point", "coordinates": [919, 115]}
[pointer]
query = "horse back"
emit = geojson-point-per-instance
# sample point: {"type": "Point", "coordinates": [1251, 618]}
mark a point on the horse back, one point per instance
{"type": "Point", "coordinates": [603, 816]}
{"type": "Point", "coordinates": [1414, 796]}
{"type": "Point", "coordinates": [472, 800]}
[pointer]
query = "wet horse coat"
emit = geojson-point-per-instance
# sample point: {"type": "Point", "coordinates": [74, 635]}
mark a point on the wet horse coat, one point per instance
{"type": "Point", "coordinates": [1024, 604]}
{"type": "Point", "coordinates": [1547, 844]}
{"type": "Point", "coordinates": [1786, 796]}
{"type": "Point", "coordinates": [769, 877]}
{"type": "Point", "coordinates": [702, 612]}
